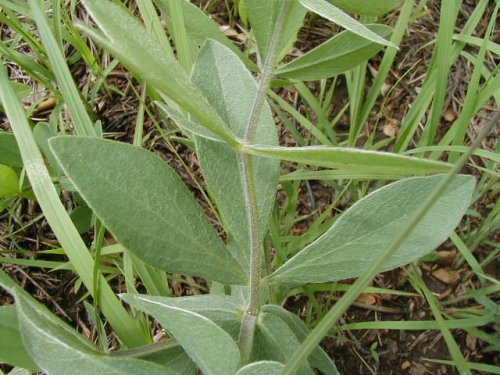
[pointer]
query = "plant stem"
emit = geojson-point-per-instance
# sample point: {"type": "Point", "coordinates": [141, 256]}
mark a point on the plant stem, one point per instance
{"type": "Point", "coordinates": [250, 315]}
{"type": "Point", "coordinates": [300, 356]}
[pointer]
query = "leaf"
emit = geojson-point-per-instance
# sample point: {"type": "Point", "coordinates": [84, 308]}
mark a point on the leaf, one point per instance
{"type": "Point", "coordinates": [334, 14]}
{"type": "Point", "coordinates": [263, 16]}
{"type": "Point", "coordinates": [210, 347]}
{"type": "Point", "coordinates": [173, 357]}
{"type": "Point", "coordinates": [56, 348]}
{"type": "Point", "coordinates": [12, 349]}
{"type": "Point", "coordinates": [9, 183]}
{"type": "Point", "coordinates": [351, 159]}
{"type": "Point", "coordinates": [143, 202]}
{"type": "Point", "coordinates": [123, 36]}
{"type": "Point", "coordinates": [223, 310]}
{"type": "Point", "coordinates": [318, 358]}
{"type": "Point", "coordinates": [337, 55]}
{"type": "Point", "coordinates": [232, 90]}
{"type": "Point", "coordinates": [376, 8]}
{"type": "Point", "coordinates": [366, 229]}
{"type": "Point", "coordinates": [261, 368]}
{"type": "Point", "coordinates": [9, 152]}
{"type": "Point", "coordinates": [275, 341]}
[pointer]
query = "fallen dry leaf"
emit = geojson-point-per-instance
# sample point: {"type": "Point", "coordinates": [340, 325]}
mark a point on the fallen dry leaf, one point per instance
{"type": "Point", "coordinates": [446, 275]}
{"type": "Point", "coordinates": [367, 299]}
{"type": "Point", "coordinates": [405, 365]}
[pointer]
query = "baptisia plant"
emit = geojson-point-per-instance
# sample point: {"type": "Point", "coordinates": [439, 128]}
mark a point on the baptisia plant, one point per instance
{"type": "Point", "coordinates": [212, 95]}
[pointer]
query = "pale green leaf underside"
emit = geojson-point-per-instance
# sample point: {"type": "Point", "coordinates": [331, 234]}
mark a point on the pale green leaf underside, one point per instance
{"type": "Point", "coordinates": [352, 159]}
{"type": "Point", "coordinates": [337, 55]}
{"type": "Point", "coordinates": [261, 368]}
{"type": "Point", "coordinates": [375, 8]}
{"type": "Point", "coordinates": [210, 347]}
{"type": "Point", "coordinates": [334, 14]}
{"type": "Point", "coordinates": [231, 89]}
{"type": "Point", "coordinates": [366, 229]}
{"type": "Point", "coordinates": [223, 310]}
{"type": "Point", "coordinates": [12, 349]}
{"type": "Point", "coordinates": [275, 341]}
{"type": "Point", "coordinates": [56, 351]}
{"type": "Point", "coordinates": [146, 206]}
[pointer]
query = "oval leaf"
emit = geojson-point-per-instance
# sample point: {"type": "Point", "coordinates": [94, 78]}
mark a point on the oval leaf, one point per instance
{"type": "Point", "coordinates": [57, 348]}
{"type": "Point", "coordinates": [337, 55]}
{"type": "Point", "coordinates": [376, 8]}
{"type": "Point", "coordinates": [146, 206]}
{"type": "Point", "coordinates": [210, 347]}
{"type": "Point", "coordinates": [334, 14]}
{"type": "Point", "coordinates": [366, 229]}
{"type": "Point", "coordinates": [262, 368]}
{"type": "Point", "coordinates": [231, 89]}
{"type": "Point", "coordinates": [351, 159]}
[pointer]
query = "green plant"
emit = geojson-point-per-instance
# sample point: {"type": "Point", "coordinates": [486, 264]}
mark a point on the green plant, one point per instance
{"type": "Point", "coordinates": [212, 96]}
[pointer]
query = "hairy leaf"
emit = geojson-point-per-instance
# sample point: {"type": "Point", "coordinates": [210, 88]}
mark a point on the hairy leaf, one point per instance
{"type": "Point", "coordinates": [232, 90]}
{"type": "Point", "coordinates": [375, 8]}
{"type": "Point", "coordinates": [12, 349]}
{"type": "Point", "coordinates": [337, 55]}
{"type": "Point", "coordinates": [56, 348]}
{"type": "Point", "coordinates": [318, 359]}
{"type": "Point", "coordinates": [210, 347]}
{"type": "Point", "coordinates": [334, 14]}
{"type": "Point", "coordinates": [351, 159]}
{"type": "Point", "coordinates": [123, 36]}
{"type": "Point", "coordinates": [366, 229]}
{"type": "Point", "coordinates": [223, 310]}
{"type": "Point", "coordinates": [144, 203]}
{"type": "Point", "coordinates": [261, 368]}
{"type": "Point", "coordinates": [263, 16]}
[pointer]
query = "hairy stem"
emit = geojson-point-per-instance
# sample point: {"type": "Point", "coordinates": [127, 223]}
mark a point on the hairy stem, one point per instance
{"type": "Point", "coordinates": [250, 316]}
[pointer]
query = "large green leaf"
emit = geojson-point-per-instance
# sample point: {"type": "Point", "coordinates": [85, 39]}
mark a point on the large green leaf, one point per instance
{"type": "Point", "coordinates": [125, 38]}
{"type": "Point", "coordinates": [334, 14]}
{"type": "Point", "coordinates": [351, 159]}
{"type": "Point", "coordinates": [232, 90]}
{"type": "Point", "coordinates": [58, 349]}
{"type": "Point", "coordinates": [375, 8]}
{"type": "Point", "coordinates": [223, 310]}
{"type": "Point", "coordinates": [208, 345]}
{"type": "Point", "coordinates": [146, 206]}
{"type": "Point", "coordinates": [337, 55]}
{"type": "Point", "coordinates": [318, 358]}
{"type": "Point", "coordinates": [366, 229]}
{"type": "Point", "coordinates": [275, 341]}
{"type": "Point", "coordinates": [12, 349]}
{"type": "Point", "coordinates": [172, 357]}
{"type": "Point", "coordinates": [263, 16]}
{"type": "Point", "coordinates": [261, 368]}
{"type": "Point", "coordinates": [9, 152]}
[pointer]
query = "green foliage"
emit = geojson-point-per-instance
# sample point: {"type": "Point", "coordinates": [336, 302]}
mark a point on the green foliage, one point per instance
{"type": "Point", "coordinates": [160, 213]}
{"type": "Point", "coordinates": [362, 233]}
{"type": "Point", "coordinates": [202, 82]}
